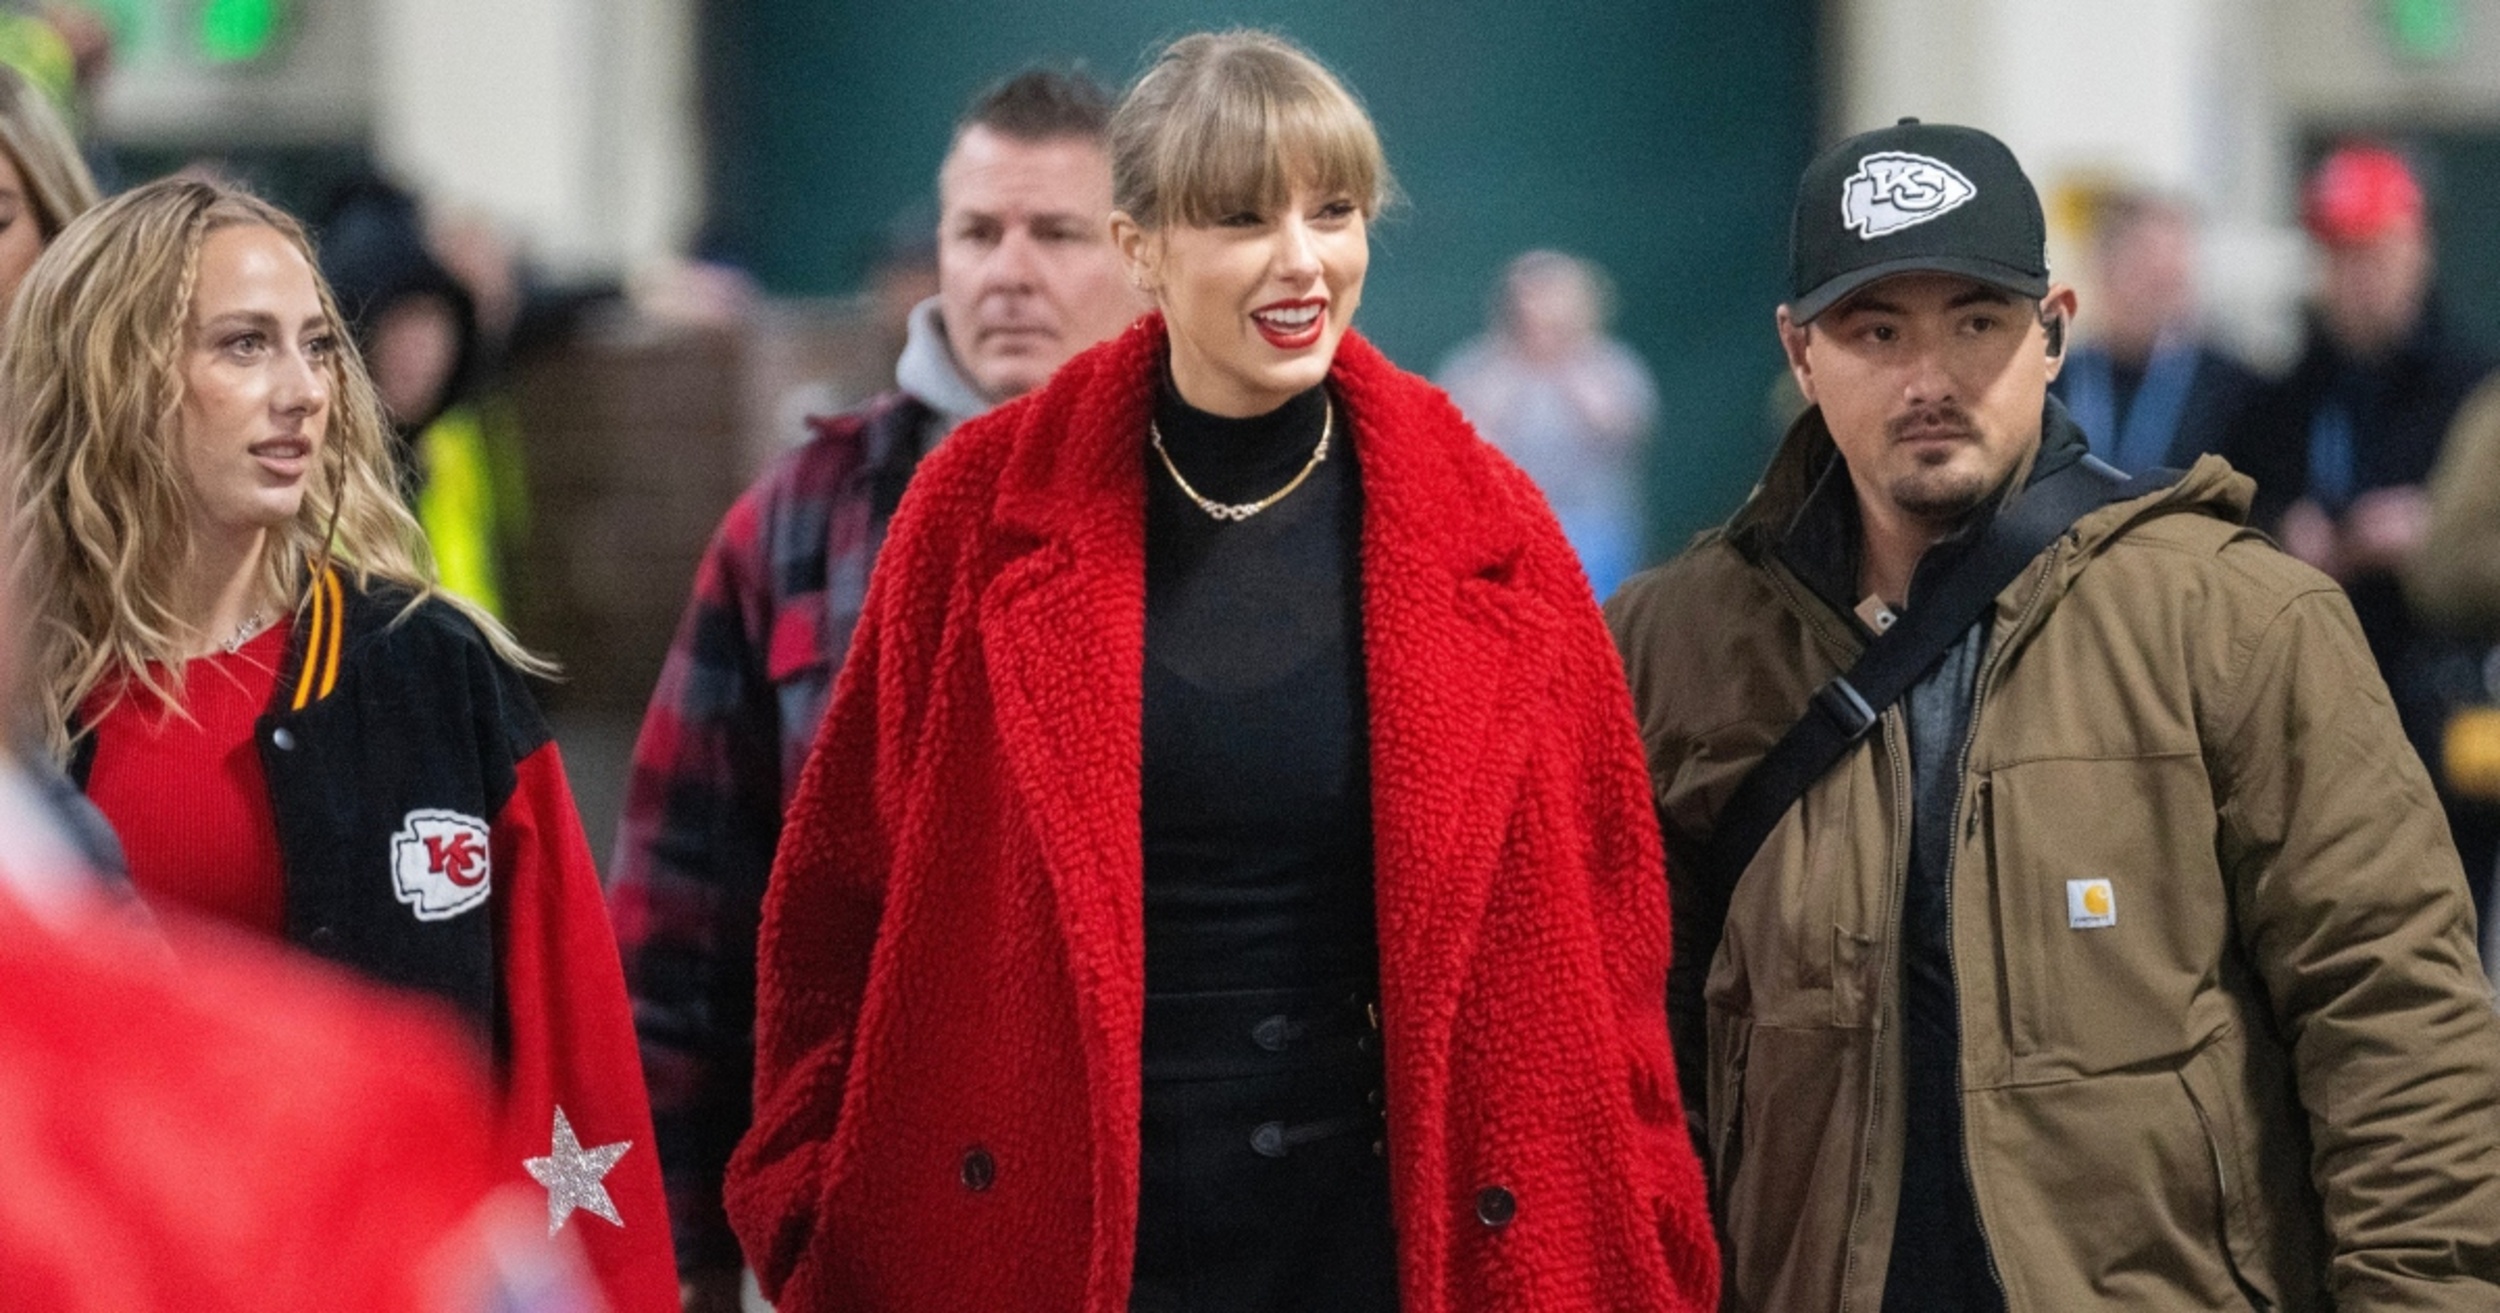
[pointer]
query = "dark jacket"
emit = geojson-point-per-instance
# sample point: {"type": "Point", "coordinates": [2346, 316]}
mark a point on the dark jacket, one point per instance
{"type": "Point", "coordinates": [2199, 389]}
{"type": "Point", "coordinates": [2400, 409]}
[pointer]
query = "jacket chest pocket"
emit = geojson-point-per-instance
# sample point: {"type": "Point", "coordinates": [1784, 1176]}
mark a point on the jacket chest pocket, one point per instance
{"type": "Point", "coordinates": [1801, 945]}
{"type": "Point", "coordinates": [2105, 906]}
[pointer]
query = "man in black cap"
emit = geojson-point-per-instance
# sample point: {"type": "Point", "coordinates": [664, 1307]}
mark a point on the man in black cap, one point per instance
{"type": "Point", "coordinates": [2062, 920]}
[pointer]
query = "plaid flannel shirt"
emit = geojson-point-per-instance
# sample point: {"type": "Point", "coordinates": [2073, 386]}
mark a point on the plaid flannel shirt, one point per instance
{"type": "Point", "coordinates": [729, 727]}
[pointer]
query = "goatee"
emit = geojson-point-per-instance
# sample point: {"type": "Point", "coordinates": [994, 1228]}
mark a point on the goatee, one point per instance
{"type": "Point", "coordinates": [1938, 492]}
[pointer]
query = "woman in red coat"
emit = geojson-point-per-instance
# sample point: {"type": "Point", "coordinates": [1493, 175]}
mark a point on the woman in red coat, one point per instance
{"type": "Point", "coordinates": [1226, 878]}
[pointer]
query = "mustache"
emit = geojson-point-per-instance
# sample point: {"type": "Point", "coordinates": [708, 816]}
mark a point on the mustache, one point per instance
{"type": "Point", "coordinates": [1944, 421]}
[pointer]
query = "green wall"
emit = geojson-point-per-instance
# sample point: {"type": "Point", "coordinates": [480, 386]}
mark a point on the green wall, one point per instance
{"type": "Point", "coordinates": [2461, 167]}
{"type": "Point", "coordinates": [1661, 139]}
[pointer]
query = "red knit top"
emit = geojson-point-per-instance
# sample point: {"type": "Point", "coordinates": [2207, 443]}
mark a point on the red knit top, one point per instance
{"type": "Point", "coordinates": [187, 795]}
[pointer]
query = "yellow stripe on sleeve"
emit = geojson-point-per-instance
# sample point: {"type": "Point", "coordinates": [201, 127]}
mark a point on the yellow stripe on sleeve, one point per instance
{"type": "Point", "coordinates": [312, 653]}
{"type": "Point", "coordinates": [338, 626]}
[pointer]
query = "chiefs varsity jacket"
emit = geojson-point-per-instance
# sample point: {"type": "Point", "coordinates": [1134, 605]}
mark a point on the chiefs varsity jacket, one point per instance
{"type": "Point", "coordinates": [430, 840]}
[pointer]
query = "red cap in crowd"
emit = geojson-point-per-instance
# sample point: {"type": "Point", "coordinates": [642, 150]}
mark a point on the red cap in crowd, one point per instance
{"type": "Point", "coordinates": [2358, 193]}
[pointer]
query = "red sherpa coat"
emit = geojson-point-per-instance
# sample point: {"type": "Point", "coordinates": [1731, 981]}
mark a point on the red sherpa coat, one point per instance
{"type": "Point", "coordinates": [952, 988]}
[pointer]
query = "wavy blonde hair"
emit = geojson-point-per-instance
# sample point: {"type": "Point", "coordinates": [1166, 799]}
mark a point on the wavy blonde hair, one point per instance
{"type": "Point", "coordinates": [92, 372]}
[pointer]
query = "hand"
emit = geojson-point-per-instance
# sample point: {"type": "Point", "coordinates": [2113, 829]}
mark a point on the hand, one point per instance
{"type": "Point", "coordinates": [713, 1291]}
{"type": "Point", "coordinates": [2385, 527]}
{"type": "Point", "coordinates": [2309, 534]}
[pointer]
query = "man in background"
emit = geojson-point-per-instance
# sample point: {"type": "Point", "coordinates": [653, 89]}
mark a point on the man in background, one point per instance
{"type": "Point", "coordinates": [2146, 388]}
{"type": "Point", "coordinates": [1572, 405]}
{"type": "Point", "coordinates": [2342, 446]}
{"type": "Point", "coordinates": [1027, 277]}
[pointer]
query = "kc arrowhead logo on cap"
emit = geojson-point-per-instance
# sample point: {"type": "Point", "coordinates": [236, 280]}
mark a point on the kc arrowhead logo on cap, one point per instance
{"type": "Point", "coordinates": [1913, 198]}
{"type": "Point", "coordinates": [1896, 190]}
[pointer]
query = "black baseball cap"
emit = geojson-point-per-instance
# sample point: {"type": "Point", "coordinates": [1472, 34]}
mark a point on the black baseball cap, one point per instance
{"type": "Point", "coordinates": [1913, 198]}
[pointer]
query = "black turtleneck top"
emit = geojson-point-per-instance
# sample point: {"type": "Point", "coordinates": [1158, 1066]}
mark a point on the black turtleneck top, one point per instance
{"type": "Point", "coordinates": [1257, 798]}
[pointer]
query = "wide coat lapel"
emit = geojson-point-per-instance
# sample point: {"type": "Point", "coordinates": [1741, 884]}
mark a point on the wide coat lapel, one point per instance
{"type": "Point", "coordinates": [1457, 637]}
{"type": "Point", "coordinates": [1062, 629]}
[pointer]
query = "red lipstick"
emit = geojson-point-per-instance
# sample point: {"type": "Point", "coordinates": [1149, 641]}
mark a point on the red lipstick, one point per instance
{"type": "Point", "coordinates": [1292, 325]}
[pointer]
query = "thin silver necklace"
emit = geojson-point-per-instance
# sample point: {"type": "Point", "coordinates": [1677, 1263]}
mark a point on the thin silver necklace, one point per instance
{"type": "Point", "coordinates": [245, 632]}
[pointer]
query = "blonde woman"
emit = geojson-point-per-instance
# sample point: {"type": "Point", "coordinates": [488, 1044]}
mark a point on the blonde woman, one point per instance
{"type": "Point", "coordinates": [239, 650]}
{"type": "Point", "coordinates": [1226, 879]}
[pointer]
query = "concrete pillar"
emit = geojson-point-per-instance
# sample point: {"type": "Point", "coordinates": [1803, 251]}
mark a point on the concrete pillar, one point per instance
{"type": "Point", "coordinates": [570, 121]}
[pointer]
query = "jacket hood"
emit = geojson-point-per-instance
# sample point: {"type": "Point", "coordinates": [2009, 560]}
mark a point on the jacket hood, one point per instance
{"type": "Point", "coordinates": [374, 252]}
{"type": "Point", "coordinates": [928, 372]}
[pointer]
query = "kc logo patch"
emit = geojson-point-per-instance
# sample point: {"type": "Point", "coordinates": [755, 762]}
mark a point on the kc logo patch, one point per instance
{"type": "Point", "coordinates": [1894, 190]}
{"type": "Point", "coordinates": [439, 864]}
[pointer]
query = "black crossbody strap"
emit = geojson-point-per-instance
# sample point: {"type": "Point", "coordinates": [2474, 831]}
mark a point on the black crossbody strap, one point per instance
{"type": "Point", "coordinates": [1846, 709]}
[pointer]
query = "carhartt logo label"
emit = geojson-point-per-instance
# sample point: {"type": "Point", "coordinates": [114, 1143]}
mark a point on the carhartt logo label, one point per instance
{"type": "Point", "coordinates": [439, 864]}
{"type": "Point", "coordinates": [1896, 190]}
{"type": "Point", "coordinates": [2090, 904]}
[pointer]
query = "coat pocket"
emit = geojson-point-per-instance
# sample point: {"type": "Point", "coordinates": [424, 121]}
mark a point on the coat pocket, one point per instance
{"type": "Point", "coordinates": [2267, 1236]}
{"type": "Point", "coordinates": [2232, 1212]}
{"type": "Point", "coordinates": [1817, 870]}
{"type": "Point", "coordinates": [1725, 1116]}
{"type": "Point", "coordinates": [1789, 1128]}
{"type": "Point", "coordinates": [2107, 906]}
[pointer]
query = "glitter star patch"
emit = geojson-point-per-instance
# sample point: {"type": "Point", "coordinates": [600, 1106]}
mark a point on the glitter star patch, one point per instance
{"type": "Point", "coordinates": [573, 1176]}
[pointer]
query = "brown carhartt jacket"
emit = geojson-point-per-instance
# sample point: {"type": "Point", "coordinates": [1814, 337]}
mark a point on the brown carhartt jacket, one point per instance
{"type": "Point", "coordinates": [2225, 1042]}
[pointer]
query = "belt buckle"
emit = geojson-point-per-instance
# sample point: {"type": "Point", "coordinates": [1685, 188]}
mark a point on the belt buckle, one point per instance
{"type": "Point", "coordinates": [1847, 707]}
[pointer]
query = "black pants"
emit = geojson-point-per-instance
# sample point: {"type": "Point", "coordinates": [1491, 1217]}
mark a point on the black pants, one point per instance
{"type": "Point", "coordinates": [1262, 1187]}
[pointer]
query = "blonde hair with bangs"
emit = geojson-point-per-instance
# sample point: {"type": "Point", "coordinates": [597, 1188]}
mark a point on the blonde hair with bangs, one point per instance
{"type": "Point", "coordinates": [93, 376]}
{"type": "Point", "coordinates": [1228, 122]}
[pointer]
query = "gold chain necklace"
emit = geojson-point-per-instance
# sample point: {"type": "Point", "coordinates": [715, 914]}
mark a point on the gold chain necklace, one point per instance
{"type": "Point", "coordinates": [1239, 511]}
